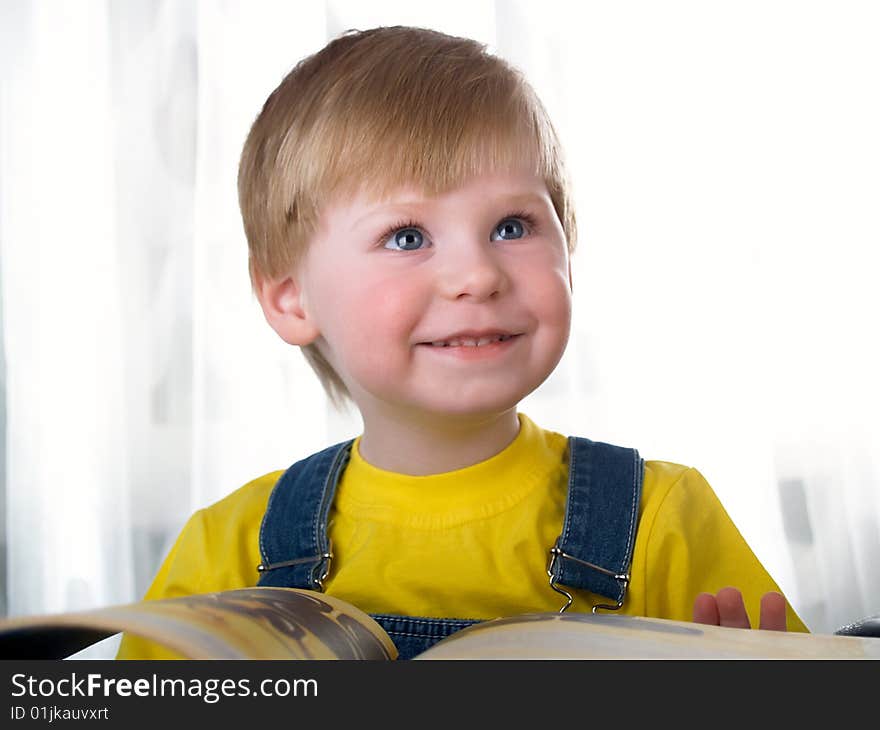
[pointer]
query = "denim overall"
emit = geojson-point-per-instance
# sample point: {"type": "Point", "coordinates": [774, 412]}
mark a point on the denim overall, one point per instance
{"type": "Point", "coordinates": [592, 553]}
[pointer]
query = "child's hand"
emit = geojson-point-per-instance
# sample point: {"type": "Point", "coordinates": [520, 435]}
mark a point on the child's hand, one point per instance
{"type": "Point", "coordinates": [727, 609]}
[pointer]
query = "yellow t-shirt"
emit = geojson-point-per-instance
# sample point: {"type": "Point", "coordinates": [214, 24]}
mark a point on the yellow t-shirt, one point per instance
{"type": "Point", "coordinates": [473, 543]}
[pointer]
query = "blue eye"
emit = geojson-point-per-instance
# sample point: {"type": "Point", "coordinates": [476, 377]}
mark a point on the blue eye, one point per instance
{"type": "Point", "coordinates": [405, 239]}
{"type": "Point", "coordinates": [509, 228]}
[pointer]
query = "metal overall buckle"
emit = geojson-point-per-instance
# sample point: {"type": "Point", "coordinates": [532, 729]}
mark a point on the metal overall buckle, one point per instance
{"type": "Point", "coordinates": [325, 558]}
{"type": "Point", "coordinates": [557, 554]}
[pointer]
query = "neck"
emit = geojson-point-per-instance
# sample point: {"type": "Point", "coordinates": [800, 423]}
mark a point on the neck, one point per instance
{"type": "Point", "coordinates": [421, 446]}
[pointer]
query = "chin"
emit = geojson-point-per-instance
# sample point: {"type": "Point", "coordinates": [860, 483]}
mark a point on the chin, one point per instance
{"type": "Point", "coordinates": [463, 406]}
{"type": "Point", "coordinates": [448, 398]}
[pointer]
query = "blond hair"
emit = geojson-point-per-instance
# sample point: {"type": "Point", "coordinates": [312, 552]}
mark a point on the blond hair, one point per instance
{"type": "Point", "coordinates": [377, 109]}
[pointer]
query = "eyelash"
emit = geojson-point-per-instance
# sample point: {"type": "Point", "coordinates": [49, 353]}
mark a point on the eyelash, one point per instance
{"type": "Point", "coordinates": [521, 215]}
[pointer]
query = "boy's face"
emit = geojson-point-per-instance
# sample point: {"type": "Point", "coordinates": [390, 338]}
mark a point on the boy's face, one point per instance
{"type": "Point", "coordinates": [456, 305]}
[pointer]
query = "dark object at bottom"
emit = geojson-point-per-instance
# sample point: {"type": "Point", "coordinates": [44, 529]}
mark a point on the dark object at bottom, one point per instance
{"type": "Point", "coordinates": [869, 626]}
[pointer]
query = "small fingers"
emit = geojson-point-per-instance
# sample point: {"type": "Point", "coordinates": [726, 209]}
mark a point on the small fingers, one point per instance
{"type": "Point", "coordinates": [706, 610]}
{"type": "Point", "coordinates": [731, 609]}
{"type": "Point", "coordinates": [773, 612]}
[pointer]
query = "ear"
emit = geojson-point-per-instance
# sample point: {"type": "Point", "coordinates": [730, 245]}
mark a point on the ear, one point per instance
{"type": "Point", "coordinates": [284, 306]}
{"type": "Point", "coordinates": [570, 280]}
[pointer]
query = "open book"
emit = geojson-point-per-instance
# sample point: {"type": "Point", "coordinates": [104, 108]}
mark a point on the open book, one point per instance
{"type": "Point", "coordinates": [289, 623]}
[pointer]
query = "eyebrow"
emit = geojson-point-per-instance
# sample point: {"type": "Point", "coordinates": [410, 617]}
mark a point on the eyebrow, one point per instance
{"type": "Point", "coordinates": [504, 200]}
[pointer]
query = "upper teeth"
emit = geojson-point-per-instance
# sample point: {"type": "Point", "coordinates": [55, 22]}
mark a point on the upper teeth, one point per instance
{"type": "Point", "coordinates": [471, 341]}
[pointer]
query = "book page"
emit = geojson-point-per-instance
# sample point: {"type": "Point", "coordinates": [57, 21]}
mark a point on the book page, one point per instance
{"type": "Point", "coordinates": [249, 623]}
{"type": "Point", "coordinates": [609, 636]}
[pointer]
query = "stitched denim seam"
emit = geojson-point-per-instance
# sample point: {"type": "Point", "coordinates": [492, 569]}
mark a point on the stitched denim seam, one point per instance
{"type": "Point", "coordinates": [317, 521]}
{"type": "Point", "coordinates": [572, 458]}
{"type": "Point", "coordinates": [272, 497]}
{"type": "Point", "coordinates": [414, 636]}
{"type": "Point", "coordinates": [636, 493]}
{"type": "Point", "coordinates": [320, 518]}
{"type": "Point", "coordinates": [426, 621]}
{"type": "Point", "coordinates": [636, 498]}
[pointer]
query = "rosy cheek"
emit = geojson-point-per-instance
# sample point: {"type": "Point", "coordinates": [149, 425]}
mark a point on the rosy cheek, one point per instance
{"type": "Point", "coordinates": [552, 296]}
{"type": "Point", "coordinates": [381, 312]}
{"type": "Point", "coordinates": [564, 298]}
{"type": "Point", "coordinates": [399, 302]}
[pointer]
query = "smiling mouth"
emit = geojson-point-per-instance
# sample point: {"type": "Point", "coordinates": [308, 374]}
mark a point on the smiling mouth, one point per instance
{"type": "Point", "coordinates": [470, 341]}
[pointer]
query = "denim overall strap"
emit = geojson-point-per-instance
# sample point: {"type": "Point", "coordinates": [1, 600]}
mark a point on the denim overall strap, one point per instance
{"type": "Point", "coordinates": [294, 545]}
{"type": "Point", "coordinates": [595, 548]}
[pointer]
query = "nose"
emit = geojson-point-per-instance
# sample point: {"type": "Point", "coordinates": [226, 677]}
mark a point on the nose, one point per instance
{"type": "Point", "coordinates": [472, 271]}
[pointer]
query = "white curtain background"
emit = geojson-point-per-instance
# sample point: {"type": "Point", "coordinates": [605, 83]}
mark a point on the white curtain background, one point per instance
{"type": "Point", "coordinates": [725, 159]}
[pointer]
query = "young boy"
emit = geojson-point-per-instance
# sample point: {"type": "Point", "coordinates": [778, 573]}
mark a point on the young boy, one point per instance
{"type": "Point", "coordinates": [409, 223]}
